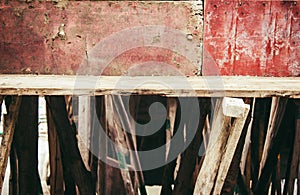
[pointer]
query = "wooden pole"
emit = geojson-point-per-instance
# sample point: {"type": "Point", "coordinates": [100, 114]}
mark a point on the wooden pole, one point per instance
{"type": "Point", "coordinates": [183, 184]}
{"type": "Point", "coordinates": [9, 127]}
{"type": "Point", "coordinates": [232, 176]}
{"type": "Point", "coordinates": [168, 175]}
{"type": "Point", "coordinates": [101, 116]}
{"type": "Point", "coordinates": [84, 127]}
{"type": "Point", "coordinates": [69, 148]}
{"type": "Point", "coordinates": [119, 139]}
{"type": "Point", "coordinates": [131, 141]}
{"type": "Point", "coordinates": [257, 137]}
{"type": "Point", "coordinates": [222, 145]}
{"type": "Point", "coordinates": [274, 137]}
{"type": "Point", "coordinates": [295, 153]}
{"type": "Point", "coordinates": [26, 146]}
{"type": "Point", "coordinates": [56, 169]}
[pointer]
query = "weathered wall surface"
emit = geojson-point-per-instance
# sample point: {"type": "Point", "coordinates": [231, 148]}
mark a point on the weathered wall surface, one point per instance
{"type": "Point", "coordinates": [252, 38]}
{"type": "Point", "coordinates": [107, 38]}
{"type": "Point", "coordinates": [248, 37]}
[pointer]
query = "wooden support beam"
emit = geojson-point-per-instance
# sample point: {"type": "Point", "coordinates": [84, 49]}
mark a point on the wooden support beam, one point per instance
{"type": "Point", "coordinates": [222, 145]}
{"type": "Point", "coordinates": [9, 127]}
{"type": "Point", "coordinates": [234, 136]}
{"type": "Point", "coordinates": [272, 144]}
{"type": "Point", "coordinates": [101, 125]}
{"type": "Point", "coordinates": [294, 160]}
{"type": "Point", "coordinates": [184, 180]}
{"type": "Point", "coordinates": [69, 148]}
{"type": "Point", "coordinates": [276, 178]}
{"type": "Point", "coordinates": [208, 86]}
{"type": "Point", "coordinates": [258, 135]}
{"type": "Point", "coordinates": [26, 146]}
{"type": "Point", "coordinates": [119, 138]}
{"type": "Point", "coordinates": [56, 168]}
{"type": "Point", "coordinates": [232, 176]}
{"type": "Point", "coordinates": [84, 127]}
{"type": "Point", "coordinates": [168, 175]}
{"type": "Point", "coordinates": [128, 125]}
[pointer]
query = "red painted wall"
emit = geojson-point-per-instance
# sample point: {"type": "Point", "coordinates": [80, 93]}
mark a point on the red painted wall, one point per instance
{"type": "Point", "coordinates": [252, 38]}
{"type": "Point", "coordinates": [155, 36]}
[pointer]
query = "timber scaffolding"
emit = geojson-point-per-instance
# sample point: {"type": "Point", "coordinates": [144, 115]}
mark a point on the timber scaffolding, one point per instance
{"type": "Point", "coordinates": [231, 66]}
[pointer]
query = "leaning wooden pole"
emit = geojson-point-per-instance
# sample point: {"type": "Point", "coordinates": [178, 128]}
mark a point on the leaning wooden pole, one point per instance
{"type": "Point", "coordinates": [26, 146]}
{"type": "Point", "coordinates": [232, 176]}
{"type": "Point", "coordinates": [56, 169]}
{"type": "Point", "coordinates": [272, 144]}
{"type": "Point", "coordinates": [189, 157]}
{"type": "Point", "coordinates": [69, 148]}
{"type": "Point", "coordinates": [9, 127]}
{"type": "Point", "coordinates": [222, 145]}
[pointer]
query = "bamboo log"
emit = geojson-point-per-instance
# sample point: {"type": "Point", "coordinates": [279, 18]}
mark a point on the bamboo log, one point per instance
{"type": "Point", "coordinates": [69, 148]}
{"type": "Point", "coordinates": [9, 127]}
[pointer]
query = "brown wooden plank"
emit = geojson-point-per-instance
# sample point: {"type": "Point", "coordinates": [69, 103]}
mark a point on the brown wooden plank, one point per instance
{"type": "Point", "coordinates": [71, 158]}
{"type": "Point", "coordinates": [184, 180]}
{"type": "Point", "coordinates": [168, 175]}
{"type": "Point", "coordinates": [168, 86]}
{"type": "Point", "coordinates": [234, 169]}
{"type": "Point", "coordinates": [84, 128]}
{"type": "Point", "coordinates": [56, 169]}
{"type": "Point", "coordinates": [26, 146]}
{"type": "Point", "coordinates": [9, 127]}
{"type": "Point", "coordinates": [272, 144]}
{"type": "Point", "coordinates": [218, 156]}
{"type": "Point", "coordinates": [235, 133]}
{"type": "Point", "coordinates": [295, 149]}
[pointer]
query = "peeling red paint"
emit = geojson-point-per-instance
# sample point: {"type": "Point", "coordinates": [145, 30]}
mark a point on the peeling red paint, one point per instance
{"type": "Point", "coordinates": [31, 41]}
{"type": "Point", "coordinates": [259, 38]}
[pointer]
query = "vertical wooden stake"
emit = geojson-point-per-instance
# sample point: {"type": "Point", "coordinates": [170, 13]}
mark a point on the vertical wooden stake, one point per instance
{"type": "Point", "coordinates": [9, 127]}
{"type": "Point", "coordinates": [292, 170]}
{"type": "Point", "coordinates": [168, 175]}
{"type": "Point", "coordinates": [56, 169]}
{"type": "Point", "coordinates": [84, 127]}
{"type": "Point", "coordinates": [69, 148]}
{"type": "Point", "coordinates": [183, 184]}
{"type": "Point", "coordinates": [272, 144]}
{"type": "Point", "coordinates": [26, 146]}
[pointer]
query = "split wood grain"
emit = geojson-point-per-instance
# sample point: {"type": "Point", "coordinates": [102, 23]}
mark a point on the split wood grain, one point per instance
{"type": "Point", "coordinates": [208, 86]}
{"type": "Point", "coordinates": [9, 127]}
{"type": "Point", "coordinates": [221, 147]}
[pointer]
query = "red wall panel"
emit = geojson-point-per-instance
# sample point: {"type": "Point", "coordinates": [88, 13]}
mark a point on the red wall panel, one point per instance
{"type": "Point", "coordinates": [259, 38]}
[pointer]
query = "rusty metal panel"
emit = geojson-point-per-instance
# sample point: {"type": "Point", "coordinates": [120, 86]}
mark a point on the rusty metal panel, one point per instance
{"type": "Point", "coordinates": [71, 37]}
{"type": "Point", "coordinates": [252, 38]}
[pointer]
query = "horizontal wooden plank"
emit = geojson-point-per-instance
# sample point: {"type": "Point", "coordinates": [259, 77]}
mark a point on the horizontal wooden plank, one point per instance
{"type": "Point", "coordinates": [258, 38]}
{"type": "Point", "coordinates": [209, 86]}
{"type": "Point", "coordinates": [100, 37]}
